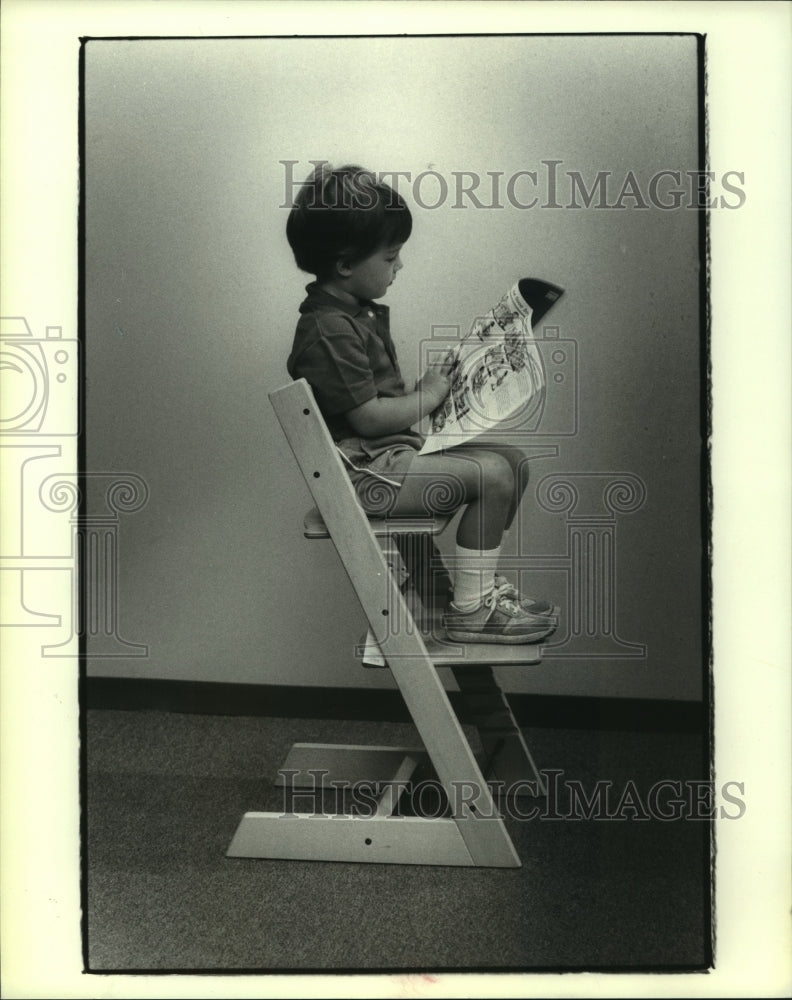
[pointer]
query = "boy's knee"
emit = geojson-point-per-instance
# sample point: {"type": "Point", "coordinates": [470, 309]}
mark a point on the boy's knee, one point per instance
{"type": "Point", "coordinates": [497, 474]}
{"type": "Point", "coordinates": [517, 459]}
{"type": "Point", "coordinates": [443, 494]}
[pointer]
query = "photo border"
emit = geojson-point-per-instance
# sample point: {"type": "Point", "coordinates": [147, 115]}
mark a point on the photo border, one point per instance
{"type": "Point", "coordinates": [749, 251]}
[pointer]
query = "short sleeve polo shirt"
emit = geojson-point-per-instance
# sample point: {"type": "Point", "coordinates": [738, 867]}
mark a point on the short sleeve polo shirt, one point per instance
{"type": "Point", "coordinates": [346, 354]}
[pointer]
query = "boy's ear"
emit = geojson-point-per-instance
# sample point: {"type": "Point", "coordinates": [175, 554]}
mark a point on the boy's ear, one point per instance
{"type": "Point", "coordinates": [343, 267]}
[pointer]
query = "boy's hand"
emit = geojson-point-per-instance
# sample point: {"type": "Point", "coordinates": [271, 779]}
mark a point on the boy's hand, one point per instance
{"type": "Point", "coordinates": [391, 414]}
{"type": "Point", "coordinates": [435, 382]}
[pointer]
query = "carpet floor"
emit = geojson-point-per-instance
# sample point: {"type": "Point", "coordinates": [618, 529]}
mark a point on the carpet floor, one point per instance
{"type": "Point", "coordinates": [164, 792]}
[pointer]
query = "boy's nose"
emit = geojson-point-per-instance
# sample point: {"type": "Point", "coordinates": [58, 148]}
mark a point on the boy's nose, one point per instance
{"type": "Point", "coordinates": [397, 266]}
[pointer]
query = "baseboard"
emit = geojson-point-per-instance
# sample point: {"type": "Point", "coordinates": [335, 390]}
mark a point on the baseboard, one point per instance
{"type": "Point", "coordinates": [536, 711]}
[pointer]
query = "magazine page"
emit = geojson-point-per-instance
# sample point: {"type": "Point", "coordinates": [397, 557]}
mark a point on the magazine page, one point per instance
{"type": "Point", "coordinates": [495, 371]}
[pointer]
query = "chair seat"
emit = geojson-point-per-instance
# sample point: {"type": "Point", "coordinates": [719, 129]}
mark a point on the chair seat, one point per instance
{"type": "Point", "coordinates": [314, 526]}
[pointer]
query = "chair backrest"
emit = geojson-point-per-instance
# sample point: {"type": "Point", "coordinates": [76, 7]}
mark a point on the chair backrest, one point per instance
{"type": "Point", "coordinates": [337, 503]}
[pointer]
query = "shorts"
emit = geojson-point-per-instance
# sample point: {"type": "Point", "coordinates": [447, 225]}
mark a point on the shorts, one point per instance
{"type": "Point", "coordinates": [378, 471]}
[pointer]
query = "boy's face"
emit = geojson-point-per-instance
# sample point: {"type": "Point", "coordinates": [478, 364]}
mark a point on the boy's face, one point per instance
{"type": "Point", "coordinates": [369, 278]}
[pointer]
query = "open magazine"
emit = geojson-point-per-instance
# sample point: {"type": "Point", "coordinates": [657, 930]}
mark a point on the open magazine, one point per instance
{"type": "Point", "coordinates": [496, 369]}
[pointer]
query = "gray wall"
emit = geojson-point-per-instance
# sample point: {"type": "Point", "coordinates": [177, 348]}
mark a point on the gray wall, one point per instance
{"type": "Point", "coordinates": [192, 298]}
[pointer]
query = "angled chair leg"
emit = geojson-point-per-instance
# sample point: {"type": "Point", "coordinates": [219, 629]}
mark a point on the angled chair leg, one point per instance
{"type": "Point", "coordinates": [507, 757]}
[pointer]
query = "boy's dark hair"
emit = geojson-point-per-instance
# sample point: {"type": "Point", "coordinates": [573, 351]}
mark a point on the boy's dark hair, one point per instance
{"type": "Point", "coordinates": [347, 214]}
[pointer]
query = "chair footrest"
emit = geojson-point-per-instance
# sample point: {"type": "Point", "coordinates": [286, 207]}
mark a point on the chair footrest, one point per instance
{"type": "Point", "coordinates": [445, 653]}
{"type": "Point", "coordinates": [318, 765]}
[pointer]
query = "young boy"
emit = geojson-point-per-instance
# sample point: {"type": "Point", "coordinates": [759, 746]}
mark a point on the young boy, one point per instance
{"type": "Point", "coordinates": [348, 229]}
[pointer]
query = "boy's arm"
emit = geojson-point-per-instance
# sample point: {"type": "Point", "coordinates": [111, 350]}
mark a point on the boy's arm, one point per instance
{"type": "Point", "coordinates": [381, 416]}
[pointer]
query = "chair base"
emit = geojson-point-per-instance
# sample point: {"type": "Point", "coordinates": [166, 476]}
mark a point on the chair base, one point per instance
{"type": "Point", "coordinates": [376, 840]}
{"type": "Point", "coordinates": [381, 838]}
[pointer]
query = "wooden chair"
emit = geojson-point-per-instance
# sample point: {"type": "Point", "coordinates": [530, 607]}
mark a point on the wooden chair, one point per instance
{"type": "Point", "coordinates": [471, 831]}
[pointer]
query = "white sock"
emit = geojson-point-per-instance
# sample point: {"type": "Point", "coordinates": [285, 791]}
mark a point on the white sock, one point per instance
{"type": "Point", "coordinates": [474, 576]}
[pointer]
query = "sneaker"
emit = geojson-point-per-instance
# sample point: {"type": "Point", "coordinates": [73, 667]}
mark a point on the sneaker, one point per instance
{"type": "Point", "coordinates": [528, 604]}
{"type": "Point", "coordinates": [497, 619]}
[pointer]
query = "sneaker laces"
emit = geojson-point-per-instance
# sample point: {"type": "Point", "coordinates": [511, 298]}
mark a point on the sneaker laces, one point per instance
{"type": "Point", "coordinates": [508, 590]}
{"type": "Point", "coordinates": [502, 597]}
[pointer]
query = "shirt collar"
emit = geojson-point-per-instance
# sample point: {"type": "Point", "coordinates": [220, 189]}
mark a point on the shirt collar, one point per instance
{"type": "Point", "coordinates": [317, 296]}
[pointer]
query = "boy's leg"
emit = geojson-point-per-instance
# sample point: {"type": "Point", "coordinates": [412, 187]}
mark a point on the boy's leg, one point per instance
{"type": "Point", "coordinates": [484, 483]}
{"type": "Point", "coordinates": [441, 483]}
{"type": "Point", "coordinates": [519, 464]}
